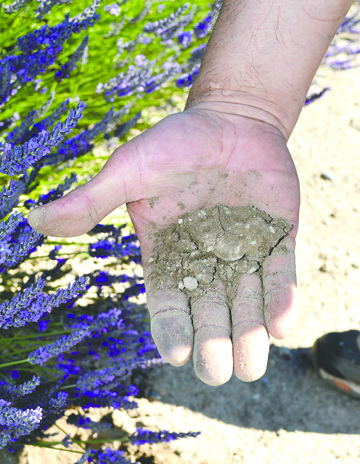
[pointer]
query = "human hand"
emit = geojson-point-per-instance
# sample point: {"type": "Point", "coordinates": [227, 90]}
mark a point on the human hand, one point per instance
{"type": "Point", "coordinates": [191, 161]}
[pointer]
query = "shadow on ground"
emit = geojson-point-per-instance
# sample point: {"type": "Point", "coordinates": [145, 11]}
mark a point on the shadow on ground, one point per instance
{"type": "Point", "coordinates": [290, 396]}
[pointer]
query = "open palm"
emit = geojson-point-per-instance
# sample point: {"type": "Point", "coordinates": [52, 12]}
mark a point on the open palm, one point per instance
{"type": "Point", "coordinates": [188, 161]}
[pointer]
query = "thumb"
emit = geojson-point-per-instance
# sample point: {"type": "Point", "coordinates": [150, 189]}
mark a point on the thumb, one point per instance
{"type": "Point", "coordinates": [83, 208]}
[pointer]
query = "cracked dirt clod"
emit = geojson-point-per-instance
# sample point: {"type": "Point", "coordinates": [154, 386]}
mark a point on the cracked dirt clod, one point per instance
{"type": "Point", "coordinates": [216, 243]}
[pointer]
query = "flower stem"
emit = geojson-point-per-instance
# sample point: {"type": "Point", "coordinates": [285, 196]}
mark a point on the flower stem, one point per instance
{"type": "Point", "coordinates": [41, 445]}
{"type": "Point", "coordinates": [63, 431]}
{"type": "Point", "coordinates": [13, 363]}
{"type": "Point", "coordinates": [108, 440]}
{"type": "Point", "coordinates": [68, 386]}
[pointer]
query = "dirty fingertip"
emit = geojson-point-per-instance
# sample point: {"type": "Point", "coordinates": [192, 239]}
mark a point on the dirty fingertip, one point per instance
{"type": "Point", "coordinates": [281, 313]}
{"type": "Point", "coordinates": [171, 325]}
{"type": "Point", "coordinates": [35, 219]}
{"type": "Point", "coordinates": [213, 362]}
{"type": "Point", "coordinates": [173, 336]}
{"type": "Point", "coordinates": [251, 351]}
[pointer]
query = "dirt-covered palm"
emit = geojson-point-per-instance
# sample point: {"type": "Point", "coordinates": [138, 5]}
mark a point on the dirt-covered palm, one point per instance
{"type": "Point", "coordinates": [189, 161]}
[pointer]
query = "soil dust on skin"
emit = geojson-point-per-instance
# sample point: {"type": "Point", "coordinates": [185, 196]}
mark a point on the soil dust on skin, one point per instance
{"type": "Point", "coordinates": [216, 243]}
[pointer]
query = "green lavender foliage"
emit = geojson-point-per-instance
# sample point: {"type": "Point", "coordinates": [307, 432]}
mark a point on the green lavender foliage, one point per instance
{"type": "Point", "coordinates": [113, 45]}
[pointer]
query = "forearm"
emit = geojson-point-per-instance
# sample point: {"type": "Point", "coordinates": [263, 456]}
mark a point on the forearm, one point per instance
{"type": "Point", "coordinates": [262, 56]}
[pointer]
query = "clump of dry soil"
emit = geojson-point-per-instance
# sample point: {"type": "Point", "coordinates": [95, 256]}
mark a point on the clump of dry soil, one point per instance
{"type": "Point", "coordinates": [216, 243]}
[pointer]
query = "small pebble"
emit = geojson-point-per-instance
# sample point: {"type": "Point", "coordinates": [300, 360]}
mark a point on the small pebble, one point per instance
{"type": "Point", "coordinates": [190, 283]}
{"type": "Point", "coordinates": [326, 176]}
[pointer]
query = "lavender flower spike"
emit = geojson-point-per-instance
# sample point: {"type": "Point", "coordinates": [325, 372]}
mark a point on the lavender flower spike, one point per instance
{"type": "Point", "coordinates": [64, 343]}
{"type": "Point", "coordinates": [147, 436]}
{"type": "Point", "coordinates": [84, 457]}
{"type": "Point", "coordinates": [17, 391]}
{"type": "Point", "coordinates": [10, 309]}
{"type": "Point", "coordinates": [30, 305]}
{"type": "Point", "coordinates": [6, 228]}
{"type": "Point", "coordinates": [14, 160]}
{"type": "Point", "coordinates": [17, 422]}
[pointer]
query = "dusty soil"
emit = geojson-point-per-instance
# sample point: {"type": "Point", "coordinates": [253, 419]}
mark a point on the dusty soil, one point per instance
{"type": "Point", "coordinates": [289, 415]}
{"type": "Point", "coordinates": [217, 243]}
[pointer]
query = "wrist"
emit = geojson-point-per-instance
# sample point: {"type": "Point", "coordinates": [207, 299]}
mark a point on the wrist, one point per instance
{"type": "Point", "coordinates": [242, 103]}
{"type": "Point", "coordinates": [262, 56]}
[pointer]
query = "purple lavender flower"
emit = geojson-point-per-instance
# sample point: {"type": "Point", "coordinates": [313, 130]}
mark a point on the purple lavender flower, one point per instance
{"type": "Point", "coordinates": [17, 70]}
{"type": "Point", "coordinates": [15, 392]}
{"type": "Point", "coordinates": [351, 23]}
{"type": "Point", "coordinates": [53, 195]}
{"type": "Point", "coordinates": [169, 27]}
{"type": "Point", "coordinates": [6, 228]}
{"type": "Point", "coordinates": [9, 196]}
{"type": "Point", "coordinates": [110, 456]}
{"type": "Point", "coordinates": [58, 34]}
{"type": "Point", "coordinates": [24, 240]}
{"type": "Point", "coordinates": [16, 6]}
{"type": "Point", "coordinates": [67, 441]}
{"type": "Point", "coordinates": [184, 39]}
{"type": "Point", "coordinates": [104, 456]}
{"type": "Point", "coordinates": [18, 134]}
{"type": "Point", "coordinates": [106, 398]}
{"type": "Point", "coordinates": [5, 79]}
{"type": "Point", "coordinates": [18, 159]}
{"type": "Point", "coordinates": [123, 129]}
{"type": "Point", "coordinates": [101, 377]}
{"type": "Point", "coordinates": [142, 436]}
{"type": "Point", "coordinates": [108, 248]}
{"type": "Point", "coordinates": [64, 343]}
{"type": "Point", "coordinates": [53, 406]}
{"type": "Point", "coordinates": [113, 9]}
{"type": "Point", "coordinates": [187, 80]}
{"type": "Point", "coordinates": [80, 420]}
{"type": "Point", "coordinates": [197, 54]}
{"type": "Point", "coordinates": [22, 134]}
{"type": "Point", "coordinates": [79, 144]}
{"type": "Point", "coordinates": [30, 305]}
{"type": "Point", "coordinates": [45, 7]}
{"type": "Point", "coordinates": [138, 79]}
{"type": "Point", "coordinates": [5, 251]}
{"type": "Point", "coordinates": [70, 65]}
{"type": "Point", "coordinates": [102, 323]}
{"type": "Point", "coordinates": [86, 457]}
{"type": "Point", "coordinates": [17, 422]}
{"type": "Point", "coordinates": [203, 28]}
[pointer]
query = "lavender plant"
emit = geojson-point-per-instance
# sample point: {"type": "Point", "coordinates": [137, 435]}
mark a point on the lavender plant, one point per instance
{"type": "Point", "coordinates": [81, 345]}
